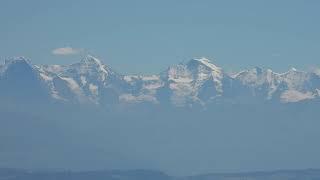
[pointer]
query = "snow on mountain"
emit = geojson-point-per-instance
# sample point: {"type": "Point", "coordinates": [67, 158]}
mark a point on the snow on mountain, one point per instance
{"type": "Point", "coordinates": [317, 93]}
{"type": "Point", "coordinates": [197, 81]}
{"type": "Point", "coordinates": [258, 83]}
{"type": "Point", "coordinates": [295, 79]}
{"type": "Point", "coordinates": [296, 96]}
{"type": "Point", "coordinates": [299, 85]}
{"type": "Point", "coordinates": [84, 82]}
{"type": "Point", "coordinates": [291, 86]}
{"type": "Point", "coordinates": [142, 89]}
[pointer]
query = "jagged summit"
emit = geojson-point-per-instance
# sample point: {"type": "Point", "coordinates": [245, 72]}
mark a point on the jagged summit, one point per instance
{"type": "Point", "coordinates": [17, 65]}
{"type": "Point", "coordinates": [17, 62]}
{"type": "Point", "coordinates": [195, 62]}
{"type": "Point", "coordinates": [293, 69]}
{"type": "Point", "coordinates": [19, 59]}
{"type": "Point", "coordinates": [202, 60]}
{"type": "Point", "coordinates": [95, 63]}
{"type": "Point", "coordinates": [89, 59]}
{"type": "Point", "coordinates": [90, 66]}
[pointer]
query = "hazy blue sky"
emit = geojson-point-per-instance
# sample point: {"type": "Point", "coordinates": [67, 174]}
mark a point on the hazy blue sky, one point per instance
{"type": "Point", "coordinates": [147, 35]}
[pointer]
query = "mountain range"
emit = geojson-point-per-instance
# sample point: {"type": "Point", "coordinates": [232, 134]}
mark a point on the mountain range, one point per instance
{"type": "Point", "coordinates": [195, 83]}
{"type": "Point", "coordinates": [192, 118]}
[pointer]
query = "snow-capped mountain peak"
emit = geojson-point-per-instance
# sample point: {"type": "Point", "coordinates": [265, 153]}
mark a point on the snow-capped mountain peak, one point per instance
{"type": "Point", "coordinates": [196, 62]}
{"type": "Point", "coordinates": [90, 68]}
{"type": "Point", "coordinates": [17, 61]}
{"type": "Point", "coordinates": [90, 60]}
{"type": "Point", "coordinates": [18, 65]}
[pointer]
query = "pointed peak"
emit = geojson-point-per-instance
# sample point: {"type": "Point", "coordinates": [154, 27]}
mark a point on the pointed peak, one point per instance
{"type": "Point", "coordinates": [202, 61]}
{"type": "Point", "coordinates": [17, 62]}
{"type": "Point", "coordinates": [93, 63]}
{"type": "Point", "coordinates": [89, 59]}
{"type": "Point", "coordinates": [292, 69]}
{"type": "Point", "coordinates": [19, 65]}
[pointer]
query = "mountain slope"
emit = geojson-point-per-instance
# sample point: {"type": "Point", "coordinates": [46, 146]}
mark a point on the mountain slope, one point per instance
{"type": "Point", "coordinates": [21, 81]}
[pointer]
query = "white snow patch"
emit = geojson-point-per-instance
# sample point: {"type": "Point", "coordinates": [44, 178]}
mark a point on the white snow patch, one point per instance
{"type": "Point", "coordinates": [317, 71]}
{"type": "Point", "coordinates": [129, 98]}
{"type": "Point", "coordinates": [73, 85]}
{"type": "Point", "coordinates": [57, 69]}
{"type": "Point", "coordinates": [317, 92]}
{"type": "Point", "coordinates": [150, 78]}
{"type": "Point", "coordinates": [83, 80]}
{"type": "Point", "coordinates": [207, 63]}
{"type": "Point", "coordinates": [93, 89]}
{"type": "Point", "coordinates": [295, 96]}
{"type": "Point", "coordinates": [130, 78]}
{"type": "Point", "coordinates": [45, 77]}
{"type": "Point", "coordinates": [152, 86]}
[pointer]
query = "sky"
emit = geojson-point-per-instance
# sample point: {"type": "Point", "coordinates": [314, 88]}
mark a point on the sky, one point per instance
{"type": "Point", "coordinates": [146, 36]}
